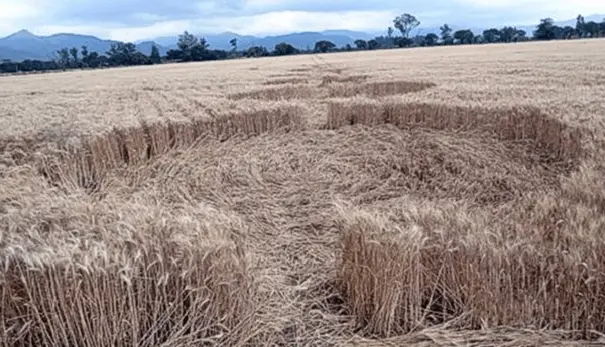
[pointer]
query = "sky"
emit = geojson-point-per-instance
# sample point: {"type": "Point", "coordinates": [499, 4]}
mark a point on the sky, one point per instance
{"type": "Point", "coordinates": [132, 20]}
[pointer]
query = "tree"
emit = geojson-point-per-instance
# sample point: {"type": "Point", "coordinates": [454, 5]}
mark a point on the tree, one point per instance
{"type": "Point", "coordinates": [591, 28]}
{"type": "Point", "coordinates": [63, 57]}
{"type": "Point", "coordinates": [74, 55]}
{"type": "Point", "coordinates": [520, 35]}
{"type": "Point", "coordinates": [390, 32]}
{"type": "Point", "coordinates": [446, 34]}
{"type": "Point", "coordinates": [323, 46]}
{"type": "Point", "coordinates": [233, 43]}
{"type": "Point", "coordinates": [155, 55]}
{"type": "Point", "coordinates": [187, 41]}
{"type": "Point", "coordinates": [257, 51]}
{"type": "Point", "coordinates": [464, 36]}
{"type": "Point", "coordinates": [373, 44]}
{"type": "Point", "coordinates": [545, 30]}
{"type": "Point", "coordinates": [580, 26]}
{"type": "Point", "coordinates": [491, 35]}
{"type": "Point", "coordinates": [348, 47]}
{"type": "Point", "coordinates": [125, 54]}
{"type": "Point", "coordinates": [94, 60]}
{"type": "Point", "coordinates": [568, 32]}
{"type": "Point", "coordinates": [284, 49]}
{"type": "Point", "coordinates": [403, 42]}
{"type": "Point", "coordinates": [431, 39]}
{"type": "Point", "coordinates": [406, 23]}
{"type": "Point", "coordinates": [174, 55]}
{"type": "Point", "coordinates": [507, 34]}
{"type": "Point", "coordinates": [361, 44]}
{"type": "Point", "coordinates": [84, 52]}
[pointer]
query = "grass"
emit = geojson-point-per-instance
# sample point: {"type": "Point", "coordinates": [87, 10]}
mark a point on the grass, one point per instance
{"type": "Point", "coordinates": [282, 201]}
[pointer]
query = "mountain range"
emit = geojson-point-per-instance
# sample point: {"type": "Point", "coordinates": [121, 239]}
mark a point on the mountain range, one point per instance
{"type": "Point", "coordinates": [25, 45]}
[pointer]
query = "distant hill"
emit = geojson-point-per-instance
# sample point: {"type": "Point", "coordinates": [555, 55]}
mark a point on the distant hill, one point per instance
{"type": "Point", "coordinates": [529, 29]}
{"type": "Point", "coordinates": [302, 40]}
{"type": "Point", "coordinates": [25, 45]}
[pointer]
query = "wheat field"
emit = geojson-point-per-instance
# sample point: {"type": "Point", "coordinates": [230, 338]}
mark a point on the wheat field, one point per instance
{"type": "Point", "coordinates": [450, 196]}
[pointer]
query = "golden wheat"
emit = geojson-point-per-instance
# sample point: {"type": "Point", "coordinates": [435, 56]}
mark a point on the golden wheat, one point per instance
{"type": "Point", "coordinates": [377, 198]}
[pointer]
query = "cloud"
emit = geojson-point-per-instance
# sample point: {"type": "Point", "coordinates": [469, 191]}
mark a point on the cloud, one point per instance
{"type": "Point", "coordinates": [17, 9]}
{"type": "Point", "coordinates": [144, 19]}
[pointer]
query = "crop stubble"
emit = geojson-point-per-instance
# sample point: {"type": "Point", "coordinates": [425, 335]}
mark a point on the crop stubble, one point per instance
{"type": "Point", "coordinates": [351, 204]}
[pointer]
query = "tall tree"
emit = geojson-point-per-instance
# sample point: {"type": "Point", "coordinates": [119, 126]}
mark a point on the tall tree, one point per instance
{"type": "Point", "coordinates": [520, 35]}
{"type": "Point", "coordinates": [361, 44]}
{"type": "Point", "coordinates": [568, 32]}
{"type": "Point", "coordinates": [390, 32]}
{"type": "Point", "coordinates": [373, 44]}
{"type": "Point", "coordinates": [406, 23]}
{"type": "Point", "coordinates": [74, 55]}
{"type": "Point", "coordinates": [187, 41]}
{"type": "Point", "coordinates": [446, 34]}
{"type": "Point", "coordinates": [464, 36]}
{"type": "Point", "coordinates": [63, 54]}
{"type": "Point", "coordinates": [284, 49]}
{"type": "Point", "coordinates": [323, 46]}
{"type": "Point", "coordinates": [580, 26]}
{"type": "Point", "coordinates": [155, 55]}
{"type": "Point", "coordinates": [257, 51]}
{"type": "Point", "coordinates": [592, 29]}
{"type": "Point", "coordinates": [84, 52]}
{"type": "Point", "coordinates": [431, 39]}
{"type": "Point", "coordinates": [491, 35]}
{"type": "Point", "coordinates": [233, 43]}
{"type": "Point", "coordinates": [546, 30]}
{"type": "Point", "coordinates": [507, 34]}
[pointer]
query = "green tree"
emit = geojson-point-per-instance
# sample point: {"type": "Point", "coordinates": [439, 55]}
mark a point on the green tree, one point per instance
{"type": "Point", "coordinates": [520, 35]}
{"type": "Point", "coordinates": [63, 54]}
{"type": "Point", "coordinates": [491, 35]}
{"type": "Point", "coordinates": [284, 49]}
{"type": "Point", "coordinates": [464, 36]}
{"type": "Point", "coordinates": [446, 34]}
{"type": "Point", "coordinates": [323, 46]}
{"type": "Point", "coordinates": [187, 41]}
{"type": "Point", "coordinates": [126, 54]}
{"type": "Point", "coordinates": [431, 39]}
{"type": "Point", "coordinates": [545, 30]}
{"type": "Point", "coordinates": [507, 34]}
{"type": "Point", "coordinates": [233, 43]}
{"type": "Point", "coordinates": [403, 42]}
{"type": "Point", "coordinates": [581, 26]}
{"type": "Point", "coordinates": [74, 56]}
{"type": "Point", "coordinates": [155, 55]}
{"type": "Point", "coordinates": [568, 32]}
{"type": "Point", "coordinates": [85, 56]}
{"type": "Point", "coordinates": [361, 44]}
{"type": "Point", "coordinates": [390, 32]}
{"type": "Point", "coordinates": [94, 60]}
{"type": "Point", "coordinates": [405, 24]}
{"type": "Point", "coordinates": [257, 51]}
{"type": "Point", "coordinates": [592, 29]}
{"type": "Point", "coordinates": [373, 44]}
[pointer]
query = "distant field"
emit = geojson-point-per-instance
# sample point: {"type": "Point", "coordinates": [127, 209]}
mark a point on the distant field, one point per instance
{"type": "Point", "coordinates": [434, 196]}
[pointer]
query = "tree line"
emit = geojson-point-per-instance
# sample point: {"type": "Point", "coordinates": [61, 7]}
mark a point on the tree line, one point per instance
{"type": "Point", "coordinates": [192, 48]}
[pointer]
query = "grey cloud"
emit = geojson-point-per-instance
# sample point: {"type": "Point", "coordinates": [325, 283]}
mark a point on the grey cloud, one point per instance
{"type": "Point", "coordinates": [141, 12]}
{"type": "Point", "coordinates": [137, 12]}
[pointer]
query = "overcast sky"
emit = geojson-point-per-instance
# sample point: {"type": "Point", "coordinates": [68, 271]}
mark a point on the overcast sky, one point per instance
{"type": "Point", "coordinates": [132, 20]}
